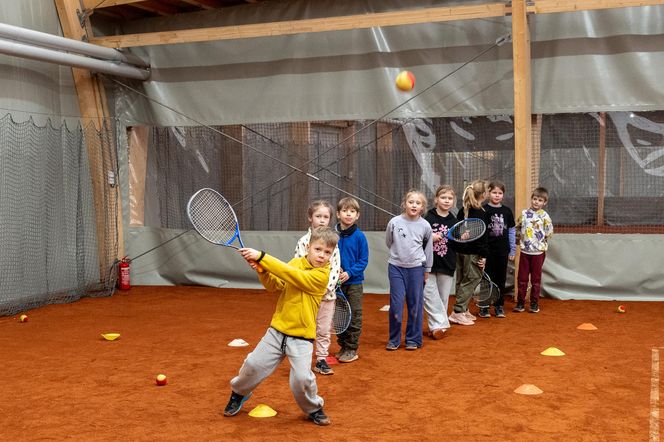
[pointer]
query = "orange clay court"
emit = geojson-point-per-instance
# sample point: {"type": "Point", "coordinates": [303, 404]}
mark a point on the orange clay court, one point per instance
{"type": "Point", "coordinates": [62, 381]}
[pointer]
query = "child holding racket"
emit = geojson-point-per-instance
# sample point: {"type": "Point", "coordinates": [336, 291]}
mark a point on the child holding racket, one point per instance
{"type": "Point", "coordinates": [354, 251]}
{"type": "Point", "coordinates": [471, 256]}
{"type": "Point", "coordinates": [319, 215]}
{"type": "Point", "coordinates": [300, 284]}
{"type": "Point", "coordinates": [533, 231]}
{"type": "Point", "coordinates": [409, 238]}
{"type": "Point", "coordinates": [439, 283]}
{"type": "Point", "coordinates": [502, 244]}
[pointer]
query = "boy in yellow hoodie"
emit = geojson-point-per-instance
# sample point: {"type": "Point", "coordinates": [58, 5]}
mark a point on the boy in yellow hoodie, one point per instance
{"type": "Point", "coordinates": [301, 284]}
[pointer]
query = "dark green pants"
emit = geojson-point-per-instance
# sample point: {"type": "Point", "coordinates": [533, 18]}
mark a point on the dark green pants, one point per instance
{"type": "Point", "coordinates": [350, 339]}
{"type": "Point", "coordinates": [468, 276]}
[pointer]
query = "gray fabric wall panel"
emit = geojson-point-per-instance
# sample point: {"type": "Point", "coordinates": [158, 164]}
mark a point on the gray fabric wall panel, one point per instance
{"type": "Point", "coordinates": [32, 88]}
{"type": "Point", "coordinates": [582, 61]}
{"type": "Point", "coordinates": [605, 267]}
{"type": "Point", "coordinates": [625, 267]}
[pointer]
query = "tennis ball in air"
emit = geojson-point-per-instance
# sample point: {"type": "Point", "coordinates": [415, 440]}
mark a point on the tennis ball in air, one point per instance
{"type": "Point", "coordinates": [621, 309]}
{"type": "Point", "coordinates": [405, 81]}
{"type": "Point", "coordinates": [161, 380]}
{"type": "Point", "coordinates": [23, 318]}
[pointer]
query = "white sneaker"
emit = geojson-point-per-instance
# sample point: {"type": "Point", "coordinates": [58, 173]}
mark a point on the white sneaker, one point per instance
{"type": "Point", "coordinates": [460, 318]}
{"type": "Point", "coordinates": [469, 315]}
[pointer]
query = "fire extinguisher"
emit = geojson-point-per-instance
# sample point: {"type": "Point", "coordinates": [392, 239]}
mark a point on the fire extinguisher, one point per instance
{"type": "Point", "coordinates": [124, 281]}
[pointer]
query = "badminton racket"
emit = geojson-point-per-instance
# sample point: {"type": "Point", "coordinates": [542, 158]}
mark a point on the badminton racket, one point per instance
{"type": "Point", "coordinates": [467, 230]}
{"type": "Point", "coordinates": [342, 313]}
{"type": "Point", "coordinates": [486, 292]}
{"type": "Point", "coordinates": [214, 219]}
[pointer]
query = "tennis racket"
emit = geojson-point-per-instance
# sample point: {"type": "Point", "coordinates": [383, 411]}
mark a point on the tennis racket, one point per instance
{"type": "Point", "coordinates": [214, 219]}
{"type": "Point", "coordinates": [486, 292]}
{"type": "Point", "coordinates": [342, 313]}
{"type": "Point", "coordinates": [467, 230]}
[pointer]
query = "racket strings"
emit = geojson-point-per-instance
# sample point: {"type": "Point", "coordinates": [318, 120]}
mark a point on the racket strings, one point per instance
{"type": "Point", "coordinates": [483, 293]}
{"type": "Point", "coordinates": [342, 315]}
{"type": "Point", "coordinates": [468, 230]}
{"type": "Point", "coordinates": [213, 217]}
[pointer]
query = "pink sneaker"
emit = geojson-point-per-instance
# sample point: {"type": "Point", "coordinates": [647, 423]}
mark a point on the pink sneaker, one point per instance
{"type": "Point", "coordinates": [460, 318]}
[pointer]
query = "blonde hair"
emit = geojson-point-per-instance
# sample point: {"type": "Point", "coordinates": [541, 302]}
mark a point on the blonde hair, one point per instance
{"type": "Point", "coordinates": [315, 205]}
{"type": "Point", "coordinates": [444, 188]}
{"type": "Point", "coordinates": [326, 234]}
{"type": "Point", "coordinates": [472, 196]}
{"type": "Point", "coordinates": [415, 192]}
{"type": "Point", "coordinates": [348, 203]}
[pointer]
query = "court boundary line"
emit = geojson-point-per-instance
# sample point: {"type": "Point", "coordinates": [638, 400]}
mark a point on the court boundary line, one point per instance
{"type": "Point", "coordinates": [654, 395]}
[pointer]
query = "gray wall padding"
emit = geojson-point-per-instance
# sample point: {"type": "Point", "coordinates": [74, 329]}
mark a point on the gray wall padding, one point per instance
{"type": "Point", "coordinates": [615, 267]}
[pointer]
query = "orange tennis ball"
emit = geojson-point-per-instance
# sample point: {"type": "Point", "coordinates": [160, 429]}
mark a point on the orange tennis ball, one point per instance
{"type": "Point", "coordinates": [23, 318]}
{"type": "Point", "coordinates": [621, 309]}
{"type": "Point", "coordinates": [161, 380]}
{"type": "Point", "coordinates": [405, 81]}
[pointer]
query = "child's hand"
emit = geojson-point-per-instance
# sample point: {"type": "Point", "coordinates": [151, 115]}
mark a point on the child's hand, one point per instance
{"type": "Point", "coordinates": [343, 277]}
{"type": "Point", "coordinates": [481, 263]}
{"type": "Point", "coordinates": [249, 254]}
{"type": "Point", "coordinates": [465, 235]}
{"type": "Point", "coordinates": [511, 257]}
{"type": "Point", "coordinates": [437, 237]}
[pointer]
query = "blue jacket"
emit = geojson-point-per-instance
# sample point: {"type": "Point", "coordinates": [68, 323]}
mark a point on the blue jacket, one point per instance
{"type": "Point", "coordinates": [354, 253]}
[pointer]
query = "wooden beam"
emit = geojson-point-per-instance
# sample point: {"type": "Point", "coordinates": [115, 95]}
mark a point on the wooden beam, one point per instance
{"type": "Point", "coordinates": [555, 6]}
{"type": "Point", "coordinates": [94, 108]}
{"type": "Point", "coordinates": [290, 27]}
{"type": "Point", "coordinates": [523, 163]}
{"type": "Point", "coordinates": [601, 169]}
{"type": "Point", "coordinates": [98, 4]}
{"type": "Point", "coordinates": [204, 4]}
{"type": "Point", "coordinates": [360, 21]}
{"type": "Point", "coordinates": [157, 8]}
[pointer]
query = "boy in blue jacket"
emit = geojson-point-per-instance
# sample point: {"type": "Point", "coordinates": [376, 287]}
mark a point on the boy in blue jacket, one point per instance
{"type": "Point", "coordinates": [354, 251]}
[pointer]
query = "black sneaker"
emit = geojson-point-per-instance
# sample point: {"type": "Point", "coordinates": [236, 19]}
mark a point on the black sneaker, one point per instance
{"type": "Point", "coordinates": [319, 417]}
{"type": "Point", "coordinates": [534, 308]}
{"type": "Point", "coordinates": [235, 404]}
{"type": "Point", "coordinates": [484, 312]}
{"type": "Point", "coordinates": [519, 307]}
{"type": "Point", "coordinates": [500, 312]}
{"type": "Point", "coordinates": [322, 367]}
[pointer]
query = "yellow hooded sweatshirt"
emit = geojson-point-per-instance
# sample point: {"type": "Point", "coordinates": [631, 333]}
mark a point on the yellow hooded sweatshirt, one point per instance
{"type": "Point", "coordinates": [301, 286]}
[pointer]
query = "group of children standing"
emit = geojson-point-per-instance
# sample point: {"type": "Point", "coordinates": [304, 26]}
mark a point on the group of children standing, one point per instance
{"type": "Point", "coordinates": [421, 268]}
{"type": "Point", "coordinates": [423, 262]}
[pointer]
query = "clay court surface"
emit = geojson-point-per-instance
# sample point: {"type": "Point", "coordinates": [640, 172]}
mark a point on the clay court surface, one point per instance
{"type": "Point", "coordinates": [62, 381]}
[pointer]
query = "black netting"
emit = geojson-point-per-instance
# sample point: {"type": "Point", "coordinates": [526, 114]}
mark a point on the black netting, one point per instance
{"type": "Point", "coordinates": [603, 171]}
{"type": "Point", "coordinates": [58, 233]}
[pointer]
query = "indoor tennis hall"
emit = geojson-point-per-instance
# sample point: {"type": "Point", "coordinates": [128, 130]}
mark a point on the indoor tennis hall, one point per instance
{"type": "Point", "coordinates": [120, 320]}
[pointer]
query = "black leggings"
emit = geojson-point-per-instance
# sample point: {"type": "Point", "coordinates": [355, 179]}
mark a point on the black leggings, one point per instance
{"type": "Point", "coordinates": [496, 268]}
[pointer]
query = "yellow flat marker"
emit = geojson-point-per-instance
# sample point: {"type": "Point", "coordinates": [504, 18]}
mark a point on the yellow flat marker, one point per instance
{"type": "Point", "coordinates": [552, 351]}
{"type": "Point", "coordinates": [262, 410]}
{"type": "Point", "coordinates": [110, 336]}
{"type": "Point", "coordinates": [586, 326]}
{"type": "Point", "coordinates": [528, 389]}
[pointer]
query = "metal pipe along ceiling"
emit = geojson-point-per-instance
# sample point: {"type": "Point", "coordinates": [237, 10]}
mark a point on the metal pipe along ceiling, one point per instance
{"type": "Point", "coordinates": [63, 58]}
{"type": "Point", "coordinates": [67, 44]}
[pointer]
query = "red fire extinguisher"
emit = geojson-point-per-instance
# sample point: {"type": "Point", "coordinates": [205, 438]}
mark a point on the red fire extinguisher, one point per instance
{"type": "Point", "coordinates": [124, 281]}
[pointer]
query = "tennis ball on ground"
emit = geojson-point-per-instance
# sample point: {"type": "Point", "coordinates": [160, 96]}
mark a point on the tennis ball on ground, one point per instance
{"type": "Point", "coordinates": [23, 318]}
{"type": "Point", "coordinates": [621, 309]}
{"type": "Point", "coordinates": [405, 81]}
{"type": "Point", "coordinates": [161, 380]}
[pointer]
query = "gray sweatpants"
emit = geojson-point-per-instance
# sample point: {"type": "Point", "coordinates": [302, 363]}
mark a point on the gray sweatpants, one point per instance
{"type": "Point", "coordinates": [265, 358]}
